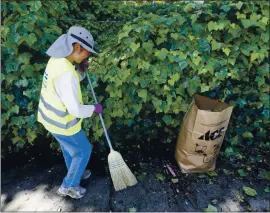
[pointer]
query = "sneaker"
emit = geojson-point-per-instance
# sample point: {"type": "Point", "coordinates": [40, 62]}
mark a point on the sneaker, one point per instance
{"type": "Point", "coordinates": [74, 192]}
{"type": "Point", "coordinates": [86, 174]}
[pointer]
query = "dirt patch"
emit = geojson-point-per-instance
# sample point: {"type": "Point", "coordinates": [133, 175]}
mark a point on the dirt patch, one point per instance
{"type": "Point", "coordinates": [32, 188]}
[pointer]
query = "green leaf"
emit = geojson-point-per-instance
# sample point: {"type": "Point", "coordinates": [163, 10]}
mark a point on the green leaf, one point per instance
{"type": "Point", "coordinates": [226, 51]}
{"type": "Point", "coordinates": [163, 32]}
{"type": "Point", "coordinates": [264, 98]}
{"type": "Point", "coordinates": [160, 176]}
{"type": "Point", "coordinates": [21, 8]}
{"type": "Point", "coordinates": [174, 180]}
{"type": "Point", "coordinates": [202, 71]}
{"type": "Point", "coordinates": [249, 191]}
{"type": "Point", "coordinates": [14, 109]}
{"type": "Point", "coordinates": [189, 7]}
{"type": "Point", "coordinates": [143, 65]}
{"type": "Point", "coordinates": [226, 8]}
{"type": "Point", "coordinates": [215, 45]}
{"type": "Point", "coordinates": [35, 5]}
{"type": "Point", "coordinates": [142, 177]}
{"type": "Point", "coordinates": [196, 60]}
{"type": "Point", "coordinates": [194, 18]}
{"type": "Point", "coordinates": [204, 87]}
{"type": "Point", "coordinates": [211, 25]}
{"type": "Point", "coordinates": [239, 5]}
{"type": "Point", "coordinates": [210, 208]}
{"type": "Point", "coordinates": [175, 36]}
{"type": "Point", "coordinates": [160, 40]}
{"type": "Point", "coordinates": [132, 209]}
{"type": "Point", "coordinates": [247, 135]}
{"type": "Point", "coordinates": [171, 82]}
{"type": "Point", "coordinates": [135, 46]}
{"type": "Point", "coordinates": [265, 175]}
{"type": "Point", "coordinates": [10, 97]}
{"type": "Point", "coordinates": [4, 32]}
{"type": "Point", "coordinates": [222, 74]}
{"type": "Point", "coordinates": [148, 46]}
{"type": "Point", "coordinates": [254, 56]}
{"type": "Point", "coordinates": [24, 57]}
{"type": "Point", "coordinates": [167, 119]}
{"type": "Point", "coordinates": [28, 70]}
{"type": "Point", "coordinates": [22, 83]}
{"type": "Point", "coordinates": [31, 136]}
{"type": "Point", "coordinates": [212, 174]}
{"type": "Point", "coordinates": [124, 74]}
{"type": "Point", "coordinates": [122, 35]}
{"type": "Point", "coordinates": [30, 39]}
{"type": "Point", "coordinates": [175, 77]}
{"type": "Point", "coordinates": [11, 65]}
{"type": "Point", "coordinates": [248, 23]}
{"type": "Point", "coordinates": [161, 54]}
{"type": "Point", "coordinates": [142, 94]}
{"type": "Point", "coordinates": [229, 151]}
{"type": "Point", "coordinates": [39, 66]}
{"type": "Point", "coordinates": [192, 88]}
{"type": "Point", "coordinates": [18, 121]}
{"type": "Point", "coordinates": [204, 45]}
{"type": "Point", "coordinates": [266, 189]}
{"type": "Point", "coordinates": [239, 198]}
{"type": "Point", "coordinates": [242, 173]}
{"type": "Point", "coordinates": [234, 140]}
{"type": "Point", "coordinates": [264, 20]}
{"type": "Point", "coordinates": [232, 60]}
{"type": "Point", "coordinates": [227, 172]}
{"type": "Point", "coordinates": [265, 37]}
{"type": "Point", "coordinates": [183, 64]}
{"type": "Point", "coordinates": [16, 139]}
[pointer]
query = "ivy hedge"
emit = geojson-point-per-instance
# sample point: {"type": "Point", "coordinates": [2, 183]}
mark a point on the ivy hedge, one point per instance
{"type": "Point", "coordinates": [217, 49]}
{"type": "Point", "coordinates": [153, 58]}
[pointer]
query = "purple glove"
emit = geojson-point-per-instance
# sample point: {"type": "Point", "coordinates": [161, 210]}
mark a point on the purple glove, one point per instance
{"type": "Point", "coordinates": [98, 108]}
{"type": "Point", "coordinates": [83, 65]}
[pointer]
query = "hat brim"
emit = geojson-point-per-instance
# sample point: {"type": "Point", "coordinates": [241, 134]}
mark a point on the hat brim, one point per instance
{"type": "Point", "coordinates": [87, 48]}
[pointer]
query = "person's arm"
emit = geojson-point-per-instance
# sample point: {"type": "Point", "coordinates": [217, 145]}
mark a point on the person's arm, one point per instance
{"type": "Point", "coordinates": [67, 89]}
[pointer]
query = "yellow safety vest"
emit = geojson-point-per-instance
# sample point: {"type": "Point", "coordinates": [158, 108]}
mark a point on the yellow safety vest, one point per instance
{"type": "Point", "coordinates": [52, 112]}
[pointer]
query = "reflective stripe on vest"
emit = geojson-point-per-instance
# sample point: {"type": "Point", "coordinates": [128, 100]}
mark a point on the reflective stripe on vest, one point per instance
{"type": "Point", "coordinates": [51, 108]}
{"type": "Point", "coordinates": [52, 112]}
{"type": "Point", "coordinates": [55, 123]}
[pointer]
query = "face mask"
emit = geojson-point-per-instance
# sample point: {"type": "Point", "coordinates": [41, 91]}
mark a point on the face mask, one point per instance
{"type": "Point", "coordinates": [82, 67]}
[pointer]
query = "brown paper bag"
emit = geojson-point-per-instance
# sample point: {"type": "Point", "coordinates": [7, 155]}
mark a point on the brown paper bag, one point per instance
{"type": "Point", "coordinates": [201, 135]}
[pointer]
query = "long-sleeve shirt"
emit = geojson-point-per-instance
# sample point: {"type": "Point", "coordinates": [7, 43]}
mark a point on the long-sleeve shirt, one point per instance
{"type": "Point", "coordinates": [67, 90]}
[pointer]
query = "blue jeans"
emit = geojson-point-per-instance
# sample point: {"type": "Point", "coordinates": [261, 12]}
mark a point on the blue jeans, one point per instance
{"type": "Point", "coordinates": [76, 151]}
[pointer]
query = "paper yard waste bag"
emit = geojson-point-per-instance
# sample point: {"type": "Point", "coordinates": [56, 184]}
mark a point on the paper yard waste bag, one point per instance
{"type": "Point", "coordinates": [201, 135]}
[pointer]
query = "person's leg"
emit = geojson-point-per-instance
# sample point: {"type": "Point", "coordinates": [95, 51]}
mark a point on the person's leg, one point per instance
{"type": "Point", "coordinates": [79, 161]}
{"type": "Point", "coordinates": [66, 156]}
{"type": "Point", "coordinates": [79, 149]}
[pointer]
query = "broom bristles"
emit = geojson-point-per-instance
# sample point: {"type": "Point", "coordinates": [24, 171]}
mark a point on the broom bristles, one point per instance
{"type": "Point", "coordinates": [121, 175]}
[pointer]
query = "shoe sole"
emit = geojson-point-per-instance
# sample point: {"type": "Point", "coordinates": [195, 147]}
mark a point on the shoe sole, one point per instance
{"type": "Point", "coordinates": [64, 195]}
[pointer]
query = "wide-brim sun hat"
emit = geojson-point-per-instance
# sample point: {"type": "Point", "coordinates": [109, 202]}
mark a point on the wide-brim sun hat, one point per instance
{"type": "Point", "coordinates": [62, 47]}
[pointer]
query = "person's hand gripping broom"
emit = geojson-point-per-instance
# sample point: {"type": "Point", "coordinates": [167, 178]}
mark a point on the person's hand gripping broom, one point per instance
{"type": "Point", "coordinates": [121, 175]}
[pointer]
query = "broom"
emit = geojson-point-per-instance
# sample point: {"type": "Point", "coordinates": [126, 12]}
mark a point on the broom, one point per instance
{"type": "Point", "coordinates": [121, 175]}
